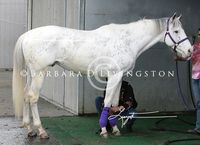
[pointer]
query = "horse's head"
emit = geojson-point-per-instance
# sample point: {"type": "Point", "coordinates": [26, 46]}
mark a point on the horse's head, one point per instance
{"type": "Point", "coordinates": [176, 38]}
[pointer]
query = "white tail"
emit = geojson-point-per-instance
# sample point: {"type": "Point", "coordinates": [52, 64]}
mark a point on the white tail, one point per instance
{"type": "Point", "coordinates": [18, 82]}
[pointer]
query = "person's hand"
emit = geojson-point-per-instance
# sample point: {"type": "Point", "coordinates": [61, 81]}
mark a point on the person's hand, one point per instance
{"type": "Point", "coordinates": [115, 109]}
{"type": "Point", "coordinates": [121, 108]}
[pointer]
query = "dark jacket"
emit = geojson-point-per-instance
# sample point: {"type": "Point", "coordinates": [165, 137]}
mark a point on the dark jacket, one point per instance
{"type": "Point", "coordinates": [126, 94]}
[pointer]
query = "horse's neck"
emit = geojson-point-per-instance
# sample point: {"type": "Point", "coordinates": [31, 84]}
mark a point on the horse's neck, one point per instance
{"type": "Point", "coordinates": [152, 31]}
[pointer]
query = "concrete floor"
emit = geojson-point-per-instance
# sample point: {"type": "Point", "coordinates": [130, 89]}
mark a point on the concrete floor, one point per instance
{"type": "Point", "coordinates": [10, 130]}
{"type": "Point", "coordinates": [12, 134]}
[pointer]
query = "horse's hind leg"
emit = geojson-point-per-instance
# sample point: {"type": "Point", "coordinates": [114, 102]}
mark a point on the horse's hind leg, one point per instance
{"type": "Point", "coordinates": [26, 119]}
{"type": "Point", "coordinates": [26, 110]}
{"type": "Point", "coordinates": [33, 93]}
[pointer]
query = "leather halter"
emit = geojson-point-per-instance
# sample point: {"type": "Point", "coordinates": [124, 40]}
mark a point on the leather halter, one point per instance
{"type": "Point", "coordinates": [170, 36]}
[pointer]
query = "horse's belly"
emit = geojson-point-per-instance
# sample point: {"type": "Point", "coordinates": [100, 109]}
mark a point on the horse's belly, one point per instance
{"type": "Point", "coordinates": [76, 63]}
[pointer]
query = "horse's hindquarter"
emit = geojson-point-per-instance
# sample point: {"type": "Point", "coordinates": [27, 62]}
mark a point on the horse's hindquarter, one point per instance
{"type": "Point", "coordinates": [40, 46]}
{"type": "Point", "coordinates": [44, 46]}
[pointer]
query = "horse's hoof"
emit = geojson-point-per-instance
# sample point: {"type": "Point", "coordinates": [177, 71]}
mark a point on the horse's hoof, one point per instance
{"type": "Point", "coordinates": [44, 135]}
{"type": "Point", "coordinates": [32, 134]}
{"type": "Point", "coordinates": [116, 133]}
{"type": "Point", "coordinates": [104, 134]}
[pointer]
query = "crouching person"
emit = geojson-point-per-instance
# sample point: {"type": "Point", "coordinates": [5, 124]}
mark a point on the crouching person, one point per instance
{"type": "Point", "coordinates": [127, 103]}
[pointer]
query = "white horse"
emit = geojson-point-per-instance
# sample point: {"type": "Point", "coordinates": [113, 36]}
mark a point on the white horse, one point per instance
{"type": "Point", "coordinates": [74, 50]}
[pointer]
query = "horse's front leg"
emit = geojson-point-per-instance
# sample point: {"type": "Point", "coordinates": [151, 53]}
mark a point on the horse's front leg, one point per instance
{"type": "Point", "coordinates": [111, 98]}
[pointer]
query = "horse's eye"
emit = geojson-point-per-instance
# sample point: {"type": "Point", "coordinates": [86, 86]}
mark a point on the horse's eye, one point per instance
{"type": "Point", "coordinates": [176, 31]}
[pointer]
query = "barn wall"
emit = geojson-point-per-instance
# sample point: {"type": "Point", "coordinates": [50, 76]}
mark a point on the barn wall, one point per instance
{"type": "Point", "coordinates": [13, 22]}
{"type": "Point", "coordinates": [75, 19]}
{"type": "Point", "coordinates": [61, 90]}
{"type": "Point", "coordinates": [152, 92]}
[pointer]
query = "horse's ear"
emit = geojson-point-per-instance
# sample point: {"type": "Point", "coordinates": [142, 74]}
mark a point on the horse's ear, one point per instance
{"type": "Point", "coordinates": [174, 16]}
{"type": "Point", "coordinates": [172, 19]}
{"type": "Point", "coordinates": [179, 17]}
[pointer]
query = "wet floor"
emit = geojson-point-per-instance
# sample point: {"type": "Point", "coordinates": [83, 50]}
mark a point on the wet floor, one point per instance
{"type": "Point", "coordinates": [10, 131]}
{"type": "Point", "coordinates": [13, 134]}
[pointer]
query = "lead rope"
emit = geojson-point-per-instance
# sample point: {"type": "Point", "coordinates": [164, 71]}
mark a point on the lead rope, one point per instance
{"type": "Point", "coordinates": [190, 86]}
{"type": "Point", "coordinates": [180, 93]}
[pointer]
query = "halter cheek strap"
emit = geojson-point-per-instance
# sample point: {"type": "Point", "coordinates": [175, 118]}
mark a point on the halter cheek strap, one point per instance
{"type": "Point", "coordinates": [171, 38]}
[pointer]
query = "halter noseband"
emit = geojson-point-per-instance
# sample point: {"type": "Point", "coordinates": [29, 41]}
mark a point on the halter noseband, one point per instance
{"type": "Point", "coordinates": [175, 43]}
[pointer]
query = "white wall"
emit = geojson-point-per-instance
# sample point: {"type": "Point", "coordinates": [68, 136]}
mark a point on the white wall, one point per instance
{"type": "Point", "coordinates": [13, 22]}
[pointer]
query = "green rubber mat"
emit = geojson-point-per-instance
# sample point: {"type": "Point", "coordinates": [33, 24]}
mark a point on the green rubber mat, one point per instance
{"type": "Point", "coordinates": [81, 130]}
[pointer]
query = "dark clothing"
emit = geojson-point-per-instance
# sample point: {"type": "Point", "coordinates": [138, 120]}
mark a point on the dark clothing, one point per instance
{"type": "Point", "coordinates": [99, 103]}
{"type": "Point", "coordinates": [126, 95]}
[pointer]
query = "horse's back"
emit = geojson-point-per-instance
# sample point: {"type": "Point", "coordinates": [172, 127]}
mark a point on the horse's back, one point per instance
{"type": "Point", "coordinates": [46, 32]}
{"type": "Point", "coordinates": [46, 45]}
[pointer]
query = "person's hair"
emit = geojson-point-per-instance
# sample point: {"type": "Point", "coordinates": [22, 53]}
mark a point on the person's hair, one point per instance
{"type": "Point", "coordinates": [199, 29]}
